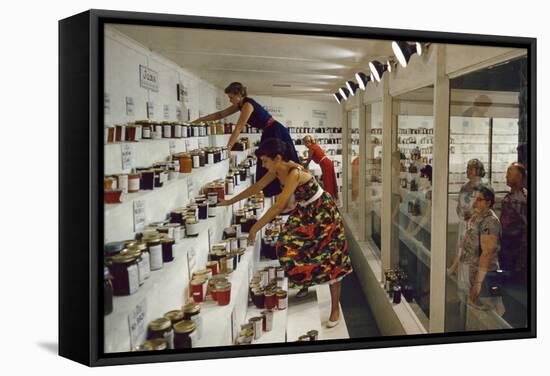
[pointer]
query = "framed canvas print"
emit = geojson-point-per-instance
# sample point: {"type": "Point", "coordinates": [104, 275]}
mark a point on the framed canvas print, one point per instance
{"type": "Point", "coordinates": [236, 188]}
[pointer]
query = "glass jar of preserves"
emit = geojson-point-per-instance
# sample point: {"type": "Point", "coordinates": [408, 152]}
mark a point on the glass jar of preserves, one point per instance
{"type": "Point", "coordinates": [202, 158]}
{"type": "Point", "coordinates": [146, 131]}
{"type": "Point", "coordinates": [270, 300]}
{"type": "Point", "coordinates": [198, 289]}
{"type": "Point", "coordinates": [184, 334]}
{"type": "Point", "coordinates": [203, 211]}
{"type": "Point", "coordinates": [177, 131]}
{"type": "Point", "coordinates": [267, 320]}
{"type": "Point", "coordinates": [191, 311]}
{"type": "Point", "coordinates": [196, 160]}
{"type": "Point", "coordinates": [155, 252]}
{"type": "Point", "coordinates": [153, 345]}
{"type": "Point", "coordinates": [282, 300]}
{"type": "Point", "coordinates": [191, 227]}
{"type": "Point", "coordinates": [147, 179]}
{"type": "Point", "coordinates": [213, 266]}
{"type": "Point", "coordinates": [167, 249]}
{"type": "Point", "coordinates": [257, 324]}
{"type": "Point", "coordinates": [124, 270]}
{"type": "Point", "coordinates": [174, 316]}
{"type": "Point", "coordinates": [131, 132]}
{"type": "Point", "coordinates": [144, 262]}
{"type": "Point", "coordinates": [186, 162]}
{"type": "Point", "coordinates": [107, 292]}
{"type": "Point", "coordinates": [223, 293]}
{"type": "Point", "coordinates": [133, 183]}
{"type": "Point", "coordinates": [161, 328]}
{"type": "Point", "coordinates": [259, 298]}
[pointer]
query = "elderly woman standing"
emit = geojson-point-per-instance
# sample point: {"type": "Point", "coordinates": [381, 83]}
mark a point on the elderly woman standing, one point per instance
{"type": "Point", "coordinates": [478, 253]}
{"type": "Point", "coordinates": [328, 177]}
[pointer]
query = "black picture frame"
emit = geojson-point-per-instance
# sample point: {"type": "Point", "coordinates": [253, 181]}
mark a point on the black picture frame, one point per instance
{"type": "Point", "coordinates": [80, 192]}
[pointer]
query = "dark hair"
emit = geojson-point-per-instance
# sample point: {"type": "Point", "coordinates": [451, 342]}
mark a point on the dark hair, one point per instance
{"type": "Point", "coordinates": [427, 171]}
{"type": "Point", "coordinates": [521, 168]}
{"type": "Point", "coordinates": [236, 88]}
{"type": "Point", "coordinates": [478, 165]}
{"type": "Point", "coordinates": [271, 148]}
{"type": "Point", "coordinates": [487, 192]}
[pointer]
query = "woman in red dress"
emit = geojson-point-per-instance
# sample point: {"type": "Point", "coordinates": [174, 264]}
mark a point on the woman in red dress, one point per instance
{"type": "Point", "coordinates": [317, 155]}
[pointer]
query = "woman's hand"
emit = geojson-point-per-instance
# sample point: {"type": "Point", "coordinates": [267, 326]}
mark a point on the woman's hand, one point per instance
{"type": "Point", "coordinates": [222, 202]}
{"type": "Point", "coordinates": [252, 236]}
{"type": "Point", "coordinates": [474, 291]}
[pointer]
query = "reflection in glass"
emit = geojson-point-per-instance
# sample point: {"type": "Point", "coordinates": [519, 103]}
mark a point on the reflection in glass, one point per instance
{"type": "Point", "coordinates": [487, 220]}
{"type": "Point", "coordinates": [374, 174]}
{"type": "Point", "coordinates": [412, 198]}
{"type": "Point", "coordinates": [353, 163]}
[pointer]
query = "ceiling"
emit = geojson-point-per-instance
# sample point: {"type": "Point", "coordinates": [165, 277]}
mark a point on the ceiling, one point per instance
{"type": "Point", "coordinates": [295, 66]}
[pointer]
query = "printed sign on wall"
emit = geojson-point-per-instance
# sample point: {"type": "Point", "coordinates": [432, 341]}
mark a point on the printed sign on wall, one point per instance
{"type": "Point", "coordinates": [166, 111]}
{"type": "Point", "coordinates": [148, 78]}
{"type": "Point", "coordinates": [150, 110]}
{"type": "Point", "coordinates": [130, 106]}
{"type": "Point", "coordinates": [275, 111]}
{"type": "Point", "coordinates": [319, 114]}
{"type": "Point", "coordinates": [178, 114]}
{"type": "Point", "coordinates": [127, 158]}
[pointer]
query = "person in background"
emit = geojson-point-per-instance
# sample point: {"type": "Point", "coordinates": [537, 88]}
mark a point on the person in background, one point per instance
{"type": "Point", "coordinates": [256, 116]}
{"type": "Point", "coordinates": [328, 177]}
{"type": "Point", "coordinates": [478, 255]}
{"type": "Point", "coordinates": [312, 247]}
{"type": "Point", "coordinates": [513, 217]}
{"type": "Point", "coordinates": [475, 171]}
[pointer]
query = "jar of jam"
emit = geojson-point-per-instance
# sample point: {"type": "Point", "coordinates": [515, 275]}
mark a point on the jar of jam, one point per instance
{"type": "Point", "coordinates": [259, 298]}
{"type": "Point", "coordinates": [155, 252]}
{"type": "Point", "coordinates": [184, 130]}
{"type": "Point", "coordinates": [271, 273]}
{"type": "Point", "coordinates": [213, 266]}
{"type": "Point", "coordinates": [257, 324]}
{"type": "Point", "coordinates": [146, 131]}
{"type": "Point", "coordinates": [125, 274]}
{"type": "Point", "coordinates": [202, 158]}
{"type": "Point", "coordinates": [137, 254]}
{"type": "Point", "coordinates": [282, 300]}
{"type": "Point", "coordinates": [396, 294]}
{"type": "Point", "coordinates": [107, 292]}
{"type": "Point", "coordinates": [203, 211]}
{"type": "Point", "coordinates": [167, 249]}
{"type": "Point", "coordinates": [191, 311]}
{"type": "Point", "coordinates": [153, 345]}
{"type": "Point", "coordinates": [191, 227]}
{"type": "Point", "coordinates": [144, 261]}
{"type": "Point", "coordinates": [212, 210]}
{"type": "Point", "coordinates": [267, 320]}
{"type": "Point", "coordinates": [147, 180]}
{"type": "Point", "coordinates": [270, 300]}
{"type": "Point", "coordinates": [223, 293]}
{"type": "Point", "coordinates": [133, 183]}
{"type": "Point", "coordinates": [198, 289]}
{"type": "Point", "coordinates": [186, 162]}
{"type": "Point", "coordinates": [174, 316]}
{"type": "Point", "coordinates": [110, 134]}
{"type": "Point", "coordinates": [166, 130]}
{"type": "Point", "coordinates": [131, 132]}
{"type": "Point", "coordinates": [122, 182]}
{"type": "Point", "coordinates": [196, 160]}
{"type": "Point", "coordinates": [184, 334]}
{"type": "Point", "coordinates": [120, 133]}
{"type": "Point", "coordinates": [161, 328]}
{"type": "Point", "coordinates": [177, 131]}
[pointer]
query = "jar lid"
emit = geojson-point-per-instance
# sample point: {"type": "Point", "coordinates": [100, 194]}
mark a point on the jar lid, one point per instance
{"type": "Point", "coordinates": [191, 307]}
{"type": "Point", "coordinates": [113, 247]}
{"type": "Point", "coordinates": [160, 324]}
{"type": "Point", "coordinates": [123, 258]}
{"type": "Point", "coordinates": [140, 246]}
{"type": "Point", "coordinates": [198, 281]}
{"type": "Point", "coordinates": [254, 319]}
{"type": "Point", "coordinates": [221, 285]}
{"type": "Point", "coordinates": [246, 332]}
{"type": "Point", "coordinates": [153, 344]}
{"type": "Point", "coordinates": [175, 315]}
{"type": "Point", "coordinates": [281, 293]}
{"type": "Point", "coordinates": [153, 240]}
{"type": "Point", "coordinates": [269, 293]}
{"type": "Point", "coordinates": [185, 326]}
{"type": "Point", "coordinates": [167, 240]}
{"type": "Point", "coordinates": [191, 221]}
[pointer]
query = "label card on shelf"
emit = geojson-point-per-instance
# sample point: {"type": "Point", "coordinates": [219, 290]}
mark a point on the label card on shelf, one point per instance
{"type": "Point", "coordinates": [166, 110]}
{"type": "Point", "coordinates": [321, 123]}
{"type": "Point", "coordinates": [187, 143]}
{"type": "Point", "coordinates": [319, 114]}
{"type": "Point", "coordinates": [127, 157]}
{"type": "Point", "coordinates": [150, 110]}
{"type": "Point", "coordinates": [130, 106]}
{"type": "Point", "coordinates": [178, 114]}
{"type": "Point", "coordinates": [172, 144]}
{"type": "Point", "coordinates": [137, 324]}
{"type": "Point", "coordinates": [139, 215]}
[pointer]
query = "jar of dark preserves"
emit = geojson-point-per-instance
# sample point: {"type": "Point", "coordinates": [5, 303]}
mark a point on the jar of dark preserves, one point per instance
{"type": "Point", "coordinates": [161, 328]}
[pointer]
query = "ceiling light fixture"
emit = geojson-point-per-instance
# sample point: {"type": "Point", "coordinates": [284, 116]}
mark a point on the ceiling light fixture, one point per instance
{"type": "Point", "coordinates": [345, 93]}
{"type": "Point", "coordinates": [352, 87]}
{"type": "Point", "coordinates": [403, 51]}
{"type": "Point", "coordinates": [377, 69]}
{"type": "Point", "coordinates": [338, 97]}
{"type": "Point", "coordinates": [362, 80]}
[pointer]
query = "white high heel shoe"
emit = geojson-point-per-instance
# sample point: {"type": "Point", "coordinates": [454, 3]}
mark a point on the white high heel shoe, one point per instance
{"type": "Point", "coordinates": [332, 324]}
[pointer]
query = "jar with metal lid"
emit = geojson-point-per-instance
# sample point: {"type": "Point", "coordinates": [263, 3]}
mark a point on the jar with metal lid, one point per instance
{"type": "Point", "coordinates": [230, 261]}
{"type": "Point", "coordinates": [229, 186]}
{"type": "Point", "coordinates": [107, 292]}
{"type": "Point", "coordinates": [203, 273]}
{"type": "Point", "coordinates": [257, 324]}
{"type": "Point", "coordinates": [161, 328]}
{"type": "Point", "coordinates": [184, 131]}
{"type": "Point", "coordinates": [267, 320]}
{"type": "Point", "coordinates": [271, 273]}
{"type": "Point", "coordinates": [223, 293]}
{"type": "Point", "coordinates": [120, 133]}
{"type": "Point", "coordinates": [198, 289]}
{"type": "Point", "coordinates": [144, 263]}
{"type": "Point", "coordinates": [177, 131]}
{"type": "Point", "coordinates": [196, 160]}
{"type": "Point", "coordinates": [174, 316]}
{"type": "Point", "coordinates": [270, 300]}
{"type": "Point", "coordinates": [146, 131]}
{"type": "Point", "coordinates": [213, 266]}
{"type": "Point", "coordinates": [155, 252]}
{"type": "Point", "coordinates": [212, 195]}
{"type": "Point", "coordinates": [233, 243]}
{"type": "Point", "coordinates": [279, 272]}
{"type": "Point", "coordinates": [111, 249]}
{"type": "Point", "coordinates": [203, 211]}
{"type": "Point", "coordinates": [133, 183]}
{"type": "Point", "coordinates": [167, 249]}
{"type": "Point", "coordinates": [157, 131]}
{"type": "Point", "coordinates": [140, 263]}
{"type": "Point", "coordinates": [259, 298]}
{"type": "Point", "coordinates": [282, 300]}
{"type": "Point", "coordinates": [166, 129]}
{"type": "Point", "coordinates": [110, 134]}
{"type": "Point", "coordinates": [121, 183]}
{"type": "Point", "coordinates": [147, 180]}
{"type": "Point", "coordinates": [264, 278]}
{"type": "Point", "coordinates": [191, 227]}
{"type": "Point", "coordinates": [202, 158]}
{"type": "Point", "coordinates": [191, 311]}
{"type": "Point", "coordinates": [313, 335]}
{"type": "Point", "coordinates": [157, 344]}
{"type": "Point", "coordinates": [185, 334]}
{"type": "Point", "coordinates": [131, 132]}
{"type": "Point", "coordinates": [212, 210]}
{"type": "Point", "coordinates": [209, 157]}
{"type": "Point", "coordinates": [124, 270]}
{"type": "Point", "coordinates": [186, 162]}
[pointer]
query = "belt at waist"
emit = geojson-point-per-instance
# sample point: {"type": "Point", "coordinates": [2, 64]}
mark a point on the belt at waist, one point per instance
{"type": "Point", "coordinates": [270, 122]}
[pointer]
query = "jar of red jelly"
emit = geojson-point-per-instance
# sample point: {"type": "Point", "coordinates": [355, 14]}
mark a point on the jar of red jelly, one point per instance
{"type": "Point", "coordinates": [259, 298]}
{"type": "Point", "coordinates": [223, 293]}
{"type": "Point", "coordinates": [213, 266]}
{"type": "Point", "coordinates": [198, 289]}
{"type": "Point", "coordinates": [282, 300]}
{"type": "Point", "coordinates": [270, 300]}
{"type": "Point", "coordinates": [133, 183]}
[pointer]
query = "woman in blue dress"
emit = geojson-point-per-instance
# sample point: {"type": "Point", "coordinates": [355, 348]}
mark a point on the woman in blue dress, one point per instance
{"type": "Point", "coordinates": [256, 116]}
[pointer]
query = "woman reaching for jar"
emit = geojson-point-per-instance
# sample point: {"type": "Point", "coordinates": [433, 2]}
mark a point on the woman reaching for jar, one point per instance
{"type": "Point", "coordinates": [312, 246]}
{"type": "Point", "coordinates": [256, 116]}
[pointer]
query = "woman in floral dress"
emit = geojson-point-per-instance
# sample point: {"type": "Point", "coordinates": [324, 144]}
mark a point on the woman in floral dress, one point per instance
{"type": "Point", "coordinates": [312, 247]}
